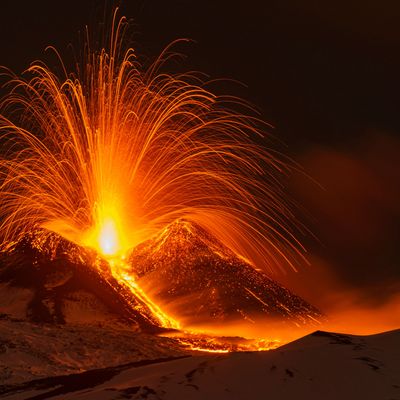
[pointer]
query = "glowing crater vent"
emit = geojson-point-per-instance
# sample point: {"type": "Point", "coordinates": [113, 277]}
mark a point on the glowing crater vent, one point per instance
{"type": "Point", "coordinates": [108, 238]}
{"type": "Point", "coordinates": [108, 235]}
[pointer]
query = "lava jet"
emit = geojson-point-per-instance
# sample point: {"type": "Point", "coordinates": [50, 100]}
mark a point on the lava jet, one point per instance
{"type": "Point", "coordinates": [143, 191]}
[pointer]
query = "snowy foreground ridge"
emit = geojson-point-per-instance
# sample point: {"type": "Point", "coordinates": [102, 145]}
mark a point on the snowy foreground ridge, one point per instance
{"type": "Point", "coordinates": [318, 366]}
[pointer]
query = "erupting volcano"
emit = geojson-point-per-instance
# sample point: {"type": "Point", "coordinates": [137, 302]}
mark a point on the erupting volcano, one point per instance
{"type": "Point", "coordinates": [180, 278]}
{"type": "Point", "coordinates": [148, 184]}
{"type": "Point", "coordinates": [111, 154]}
{"type": "Point", "coordinates": [153, 233]}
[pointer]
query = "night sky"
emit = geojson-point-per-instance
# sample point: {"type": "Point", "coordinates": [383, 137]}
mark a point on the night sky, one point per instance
{"type": "Point", "coordinates": [326, 75]}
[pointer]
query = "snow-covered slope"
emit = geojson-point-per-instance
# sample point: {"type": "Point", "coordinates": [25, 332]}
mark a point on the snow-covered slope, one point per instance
{"type": "Point", "coordinates": [319, 366]}
{"type": "Point", "coordinates": [30, 351]}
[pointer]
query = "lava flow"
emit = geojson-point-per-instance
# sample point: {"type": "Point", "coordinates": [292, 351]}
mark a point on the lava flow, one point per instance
{"type": "Point", "coordinates": [110, 155]}
{"type": "Point", "coordinates": [119, 271]}
{"type": "Point", "coordinates": [191, 339]}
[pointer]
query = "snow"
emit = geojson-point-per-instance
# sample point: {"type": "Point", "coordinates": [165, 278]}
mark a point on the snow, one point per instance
{"type": "Point", "coordinates": [14, 301]}
{"type": "Point", "coordinates": [29, 351]}
{"type": "Point", "coordinates": [318, 366]}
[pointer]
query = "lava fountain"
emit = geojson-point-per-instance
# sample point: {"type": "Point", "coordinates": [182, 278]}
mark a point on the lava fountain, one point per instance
{"type": "Point", "coordinates": [108, 155]}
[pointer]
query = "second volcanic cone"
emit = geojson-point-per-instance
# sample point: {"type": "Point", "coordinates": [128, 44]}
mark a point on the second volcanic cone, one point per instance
{"type": "Point", "coordinates": [197, 278]}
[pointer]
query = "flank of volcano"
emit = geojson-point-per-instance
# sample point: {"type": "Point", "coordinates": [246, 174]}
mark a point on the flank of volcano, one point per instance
{"type": "Point", "coordinates": [197, 278]}
{"type": "Point", "coordinates": [183, 273]}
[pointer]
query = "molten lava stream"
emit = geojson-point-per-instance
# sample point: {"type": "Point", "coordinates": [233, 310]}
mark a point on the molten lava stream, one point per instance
{"type": "Point", "coordinates": [119, 269]}
{"type": "Point", "coordinates": [206, 342]}
{"type": "Point", "coordinates": [107, 240]}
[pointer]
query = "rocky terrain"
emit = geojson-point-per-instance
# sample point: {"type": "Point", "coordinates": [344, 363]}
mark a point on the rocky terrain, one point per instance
{"type": "Point", "coordinates": [198, 278]}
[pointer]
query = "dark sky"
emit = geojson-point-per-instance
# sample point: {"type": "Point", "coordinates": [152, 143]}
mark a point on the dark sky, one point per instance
{"type": "Point", "coordinates": [325, 74]}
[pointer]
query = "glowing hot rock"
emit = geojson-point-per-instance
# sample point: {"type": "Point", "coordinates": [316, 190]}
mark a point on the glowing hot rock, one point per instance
{"type": "Point", "coordinates": [109, 234]}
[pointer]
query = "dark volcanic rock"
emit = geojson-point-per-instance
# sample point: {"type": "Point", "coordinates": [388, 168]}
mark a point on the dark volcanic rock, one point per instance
{"type": "Point", "coordinates": [196, 277]}
{"type": "Point", "coordinates": [55, 281]}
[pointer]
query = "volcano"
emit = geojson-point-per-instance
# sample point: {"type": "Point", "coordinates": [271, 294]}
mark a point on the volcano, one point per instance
{"type": "Point", "coordinates": [184, 269]}
{"type": "Point", "coordinates": [52, 288]}
{"type": "Point", "coordinates": [197, 278]}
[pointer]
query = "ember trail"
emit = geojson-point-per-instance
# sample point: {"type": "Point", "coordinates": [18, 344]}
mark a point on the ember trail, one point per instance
{"type": "Point", "coordinates": [109, 155]}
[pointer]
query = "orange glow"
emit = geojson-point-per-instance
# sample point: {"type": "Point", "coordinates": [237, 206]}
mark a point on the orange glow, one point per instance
{"type": "Point", "coordinates": [196, 341]}
{"type": "Point", "coordinates": [118, 269]}
{"type": "Point", "coordinates": [107, 235]}
{"type": "Point", "coordinates": [109, 155]}
{"type": "Point", "coordinates": [108, 238]}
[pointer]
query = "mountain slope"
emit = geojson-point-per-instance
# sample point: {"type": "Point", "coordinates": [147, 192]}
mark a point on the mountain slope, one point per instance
{"type": "Point", "coordinates": [56, 281]}
{"type": "Point", "coordinates": [31, 350]}
{"type": "Point", "coordinates": [197, 278]}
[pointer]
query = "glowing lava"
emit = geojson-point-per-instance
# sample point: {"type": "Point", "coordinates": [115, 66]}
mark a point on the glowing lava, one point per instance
{"type": "Point", "coordinates": [208, 343]}
{"type": "Point", "coordinates": [118, 269]}
{"type": "Point", "coordinates": [108, 238]}
{"type": "Point", "coordinates": [109, 155]}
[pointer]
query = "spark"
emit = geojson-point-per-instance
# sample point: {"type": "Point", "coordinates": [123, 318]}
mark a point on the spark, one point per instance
{"type": "Point", "coordinates": [110, 154]}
